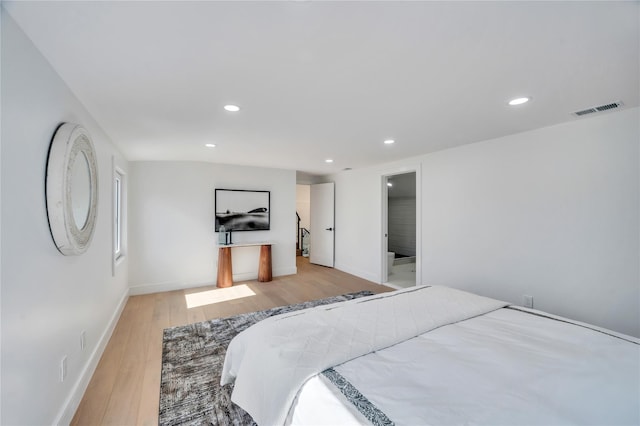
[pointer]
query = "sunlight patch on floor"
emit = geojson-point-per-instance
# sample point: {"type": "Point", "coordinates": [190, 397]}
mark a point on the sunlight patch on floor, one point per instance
{"type": "Point", "coordinates": [218, 295]}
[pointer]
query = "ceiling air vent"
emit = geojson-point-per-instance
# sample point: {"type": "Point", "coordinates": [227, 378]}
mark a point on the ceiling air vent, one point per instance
{"type": "Point", "coordinates": [600, 108]}
{"type": "Point", "coordinates": [586, 111]}
{"type": "Point", "coordinates": [608, 106]}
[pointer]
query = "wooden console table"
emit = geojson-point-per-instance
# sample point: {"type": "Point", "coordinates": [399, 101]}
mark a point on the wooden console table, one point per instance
{"type": "Point", "coordinates": [225, 274]}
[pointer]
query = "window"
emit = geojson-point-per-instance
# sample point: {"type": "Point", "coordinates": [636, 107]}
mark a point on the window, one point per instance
{"type": "Point", "coordinates": [119, 215]}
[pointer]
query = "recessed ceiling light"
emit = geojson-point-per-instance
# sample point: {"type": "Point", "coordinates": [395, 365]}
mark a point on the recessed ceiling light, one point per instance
{"type": "Point", "coordinates": [210, 145]}
{"type": "Point", "coordinates": [518, 101]}
{"type": "Point", "coordinates": [389, 142]}
{"type": "Point", "coordinates": [328, 160]}
{"type": "Point", "coordinates": [232, 108]}
{"type": "Point", "coordinates": [389, 184]}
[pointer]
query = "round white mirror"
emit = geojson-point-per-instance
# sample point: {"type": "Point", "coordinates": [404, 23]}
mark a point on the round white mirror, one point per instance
{"type": "Point", "coordinates": [72, 189]}
{"type": "Point", "coordinates": [80, 190]}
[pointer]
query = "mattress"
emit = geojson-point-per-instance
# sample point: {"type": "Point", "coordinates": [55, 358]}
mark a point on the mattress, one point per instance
{"type": "Point", "coordinates": [490, 364]}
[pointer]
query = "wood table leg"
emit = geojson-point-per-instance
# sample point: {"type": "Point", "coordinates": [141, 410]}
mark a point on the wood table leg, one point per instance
{"type": "Point", "coordinates": [264, 268]}
{"type": "Point", "coordinates": [225, 274]}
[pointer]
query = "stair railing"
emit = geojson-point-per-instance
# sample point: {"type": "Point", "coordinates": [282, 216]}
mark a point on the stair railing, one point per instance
{"type": "Point", "coordinates": [299, 239]}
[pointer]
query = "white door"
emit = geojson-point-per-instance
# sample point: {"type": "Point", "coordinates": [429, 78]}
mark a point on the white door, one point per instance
{"type": "Point", "coordinates": [322, 215]}
{"type": "Point", "coordinates": [385, 229]}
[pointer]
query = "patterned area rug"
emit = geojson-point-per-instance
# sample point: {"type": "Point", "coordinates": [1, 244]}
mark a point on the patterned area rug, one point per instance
{"type": "Point", "coordinates": [192, 358]}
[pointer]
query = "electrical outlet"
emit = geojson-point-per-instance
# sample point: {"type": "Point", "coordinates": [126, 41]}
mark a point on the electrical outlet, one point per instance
{"type": "Point", "coordinates": [83, 340]}
{"type": "Point", "coordinates": [63, 368]}
{"type": "Point", "coordinates": [528, 301]}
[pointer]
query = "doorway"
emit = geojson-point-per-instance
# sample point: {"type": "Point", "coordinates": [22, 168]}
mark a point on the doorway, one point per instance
{"type": "Point", "coordinates": [303, 221]}
{"type": "Point", "coordinates": [400, 229]}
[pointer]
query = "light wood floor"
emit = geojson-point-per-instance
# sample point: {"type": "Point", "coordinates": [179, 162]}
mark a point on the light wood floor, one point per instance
{"type": "Point", "coordinates": [125, 387]}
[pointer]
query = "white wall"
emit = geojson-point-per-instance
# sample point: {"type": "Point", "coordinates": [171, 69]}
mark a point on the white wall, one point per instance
{"type": "Point", "coordinates": [172, 243]}
{"type": "Point", "coordinates": [552, 213]}
{"type": "Point", "coordinates": [47, 299]}
{"type": "Point", "coordinates": [1, 33]}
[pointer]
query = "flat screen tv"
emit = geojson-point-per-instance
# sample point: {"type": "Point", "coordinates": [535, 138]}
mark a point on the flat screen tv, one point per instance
{"type": "Point", "coordinates": [242, 210]}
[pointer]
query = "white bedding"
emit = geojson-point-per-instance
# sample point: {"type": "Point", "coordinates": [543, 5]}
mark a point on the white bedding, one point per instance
{"type": "Point", "coordinates": [271, 360]}
{"type": "Point", "coordinates": [501, 366]}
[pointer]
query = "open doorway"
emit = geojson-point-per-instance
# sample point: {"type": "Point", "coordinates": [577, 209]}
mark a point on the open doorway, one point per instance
{"type": "Point", "coordinates": [303, 219]}
{"type": "Point", "coordinates": [401, 249]}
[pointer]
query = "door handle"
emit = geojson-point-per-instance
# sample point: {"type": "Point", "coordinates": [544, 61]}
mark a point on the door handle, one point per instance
{"type": "Point", "coordinates": [329, 229]}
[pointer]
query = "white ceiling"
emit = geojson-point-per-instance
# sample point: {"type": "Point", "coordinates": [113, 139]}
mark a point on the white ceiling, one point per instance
{"type": "Point", "coordinates": [319, 80]}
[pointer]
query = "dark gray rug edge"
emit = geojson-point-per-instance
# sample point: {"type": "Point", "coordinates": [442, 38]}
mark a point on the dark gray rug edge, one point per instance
{"type": "Point", "coordinates": [192, 358]}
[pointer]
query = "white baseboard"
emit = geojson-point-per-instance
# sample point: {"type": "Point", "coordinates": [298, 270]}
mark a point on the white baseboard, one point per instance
{"type": "Point", "coordinates": [358, 273]}
{"type": "Point", "coordinates": [246, 276]}
{"type": "Point", "coordinates": [171, 286]}
{"type": "Point", "coordinates": [77, 392]}
{"type": "Point", "coordinates": [279, 272]}
{"type": "Point", "coordinates": [160, 287]}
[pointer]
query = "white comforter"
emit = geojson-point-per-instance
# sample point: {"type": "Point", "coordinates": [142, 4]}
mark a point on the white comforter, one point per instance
{"type": "Point", "coordinates": [503, 368]}
{"type": "Point", "coordinates": [271, 360]}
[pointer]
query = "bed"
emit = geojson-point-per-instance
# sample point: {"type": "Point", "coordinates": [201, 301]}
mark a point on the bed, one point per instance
{"type": "Point", "coordinates": [433, 355]}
